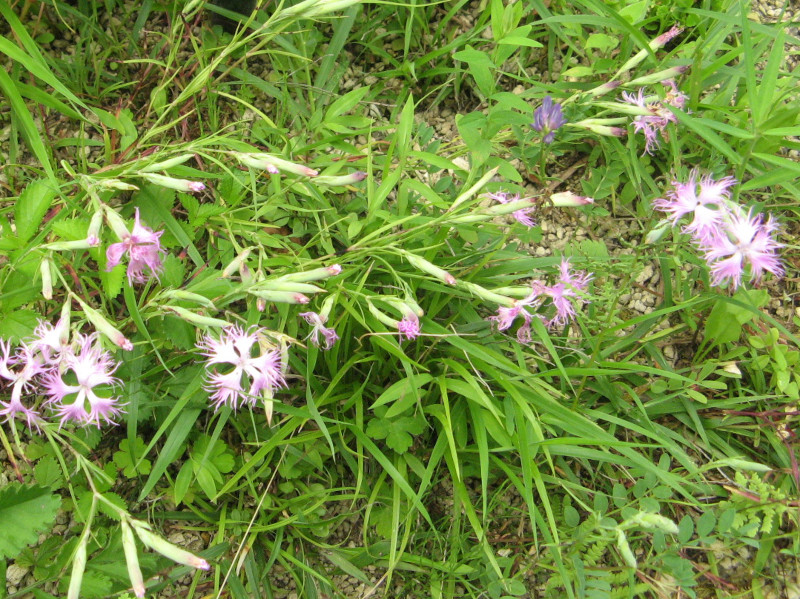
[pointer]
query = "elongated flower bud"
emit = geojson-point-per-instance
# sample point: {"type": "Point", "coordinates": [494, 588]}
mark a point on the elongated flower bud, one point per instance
{"type": "Point", "coordinates": [485, 294]}
{"type": "Point", "coordinates": [182, 294]}
{"type": "Point", "coordinates": [325, 310]}
{"type": "Point", "coordinates": [114, 184]}
{"type": "Point", "coordinates": [654, 45]}
{"type": "Point", "coordinates": [384, 318]}
{"type": "Point", "coordinates": [66, 246]}
{"type": "Point", "coordinates": [93, 234]}
{"type": "Point", "coordinates": [603, 89]}
{"type": "Point", "coordinates": [316, 274]}
{"type": "Point", "coordinates": [650, 520]}
{"type": "Point", "coordinates": [194, 318]}
{"type": "Point", "coordinates": [103, 326]}
{"type": "Point", "coordinates": [270, 163]}
{"type": "Point", "coordinates": [166, 164]}
{"type": "Point", "coordinates": [78, 567]}
{"type": "Point", "coordinates": [625, 549]}
{"type": "Point", "coordinates": [183, 185]}
{"type": "Point", "coordinates": [167, 549]}
{"type": "Point", "coordinates": [429, 268]}
{"type": "Point", "coordinates": [282, 285]}
{"type": "Point", "coordinates": [570, 200]}
{"type": "Point", "coordinates": [62, 326]}
{"type": "Point", "coordinates": [657, 232]}
{"type": "Point", "coordinates": [479, 184]}
{"type": "Point", "coordinates": [510, 207]}
{"type": "Point", "coordinates": [132, 559]}
{"type": "Point", "coordinates": [333, 181]}
{"type": "Point", "coordinates": [603, 126]}
{"type": "Point", "coordinates": [47, 279]}
{"type": "Point", "coordinates": [116, 222]}
{"type": "Point", "coordinates": [658, 76]}
{"type": "Point", "coordinates": [281, 297]}
{"type": "Point", "coordinates": [236, 263]}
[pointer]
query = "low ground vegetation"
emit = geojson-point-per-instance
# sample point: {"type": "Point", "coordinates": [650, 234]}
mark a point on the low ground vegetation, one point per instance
{"type": "Point", "coordinates": [343, 299]}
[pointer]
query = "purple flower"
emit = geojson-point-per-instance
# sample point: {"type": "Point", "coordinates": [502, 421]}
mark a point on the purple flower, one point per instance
{"type": "Point", "coordinates": [547, 118]}
{"type": "Point", "coordinates": [72, 389]}
{"type": "Point", "coordinates": [569, 285]}
{"type": "Point", "coordinates": [409, 326]}
{"type": "Point", "coordinates": [318, 321]}
{"type": "Point", "coordinates": [747, 239]}
{"type": "Point", "coordinates": [19, 369]}
{"type": "Point", "coordinates": [520, 215]}
{"type": "Point", "coordinates": [144, 252]}
{"type": "Point", "coordinates": [706, 200]}
{"type": "Point", "coordinates": [253, 368]}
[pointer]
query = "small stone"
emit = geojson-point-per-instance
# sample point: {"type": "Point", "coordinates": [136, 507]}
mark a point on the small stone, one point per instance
{"type": "Point", "coordinates": [15, 574]}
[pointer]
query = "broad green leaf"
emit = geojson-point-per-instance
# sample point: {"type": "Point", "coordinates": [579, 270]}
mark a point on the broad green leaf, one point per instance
{"type": "Point", "coordinates": [30, 208]}
{"type": "Point", "coordinates": [25, 511]}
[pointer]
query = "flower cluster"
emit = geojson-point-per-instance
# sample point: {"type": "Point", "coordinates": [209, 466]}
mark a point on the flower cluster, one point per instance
{"type": "Point", "coordinates": [76, 379]}
{"type": "Point", "coordinates": [653, 124]}
{"type": "Point", "coordinates": [564, 294]}
{"type": "Point", "coordinates": [252, 372]}
{"type": "Point", "coordinates": [730, 239]}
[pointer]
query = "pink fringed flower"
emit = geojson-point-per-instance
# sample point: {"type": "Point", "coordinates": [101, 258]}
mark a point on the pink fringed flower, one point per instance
{"type": "Point", "coordinates": [409, 326]}
{"type": "Point", "coordinates": [19, 369]}
{"type": "Point", "coordinates": [705, 199]}
{"type": "Point", "coordinates": [565, 291]}
{"type": "Point", "coordinates": [253, 372]}
{"type": "Point", "coordinates": [317, 321]}
{"type": "Point", "coordinates": [747, 240]}
{"type": "Point", "coordinates": [653, 125]}
{"type": "Point", "coordinates": [563, 294]}
{"type": "Point", "coordinates": [144, 252]}
{"type": "Point", "coordinates": [78, 391]}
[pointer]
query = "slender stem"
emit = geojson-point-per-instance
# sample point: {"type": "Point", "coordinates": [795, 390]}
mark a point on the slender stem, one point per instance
{"type": "Point", "coordinates": [10, 452]}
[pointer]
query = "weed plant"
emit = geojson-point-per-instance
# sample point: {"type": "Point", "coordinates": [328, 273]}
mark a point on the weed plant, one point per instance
{"type": "Point", "coordinates": [263, 327]}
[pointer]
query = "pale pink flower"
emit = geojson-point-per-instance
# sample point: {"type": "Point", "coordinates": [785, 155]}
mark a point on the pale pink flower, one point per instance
{"type": "Point", "coordinates": [144, 252]}
{"type": "Point", "coordinates": [79, 390]}
{"type": "Point", "coordinates": [19, 369]}
{"type": "Point", "coordinates": [654, 124]}
{"type": "Point", "coordinates": [567, 290]}
{"type": "Point", "coordinates": [52, 342]}
{"type": "Point", "coordinates": [254, 372]}
{"type": "Point", "coordinates": [705, 200]}
{"type": "Point", "coordinates": [506, 316]}
{"type": "Point", "coordinates": [746, 240]}
{"type": "Point", "coordinates": [317, 321]}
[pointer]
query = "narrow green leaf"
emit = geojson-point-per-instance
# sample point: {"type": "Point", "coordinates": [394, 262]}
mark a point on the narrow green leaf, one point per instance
{"type": "Point", "coordinates": [25, 120]}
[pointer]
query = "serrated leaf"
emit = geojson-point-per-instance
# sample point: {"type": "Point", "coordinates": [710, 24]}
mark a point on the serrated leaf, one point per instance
{"type": "Point", "coordinates": [127, 457]}
{"type": "Point", "coordinates": [25, 510]}
{"type": "Point", "coordinates": [48, 473]}
{"type": "Point", "coordinates": [30, 208]}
